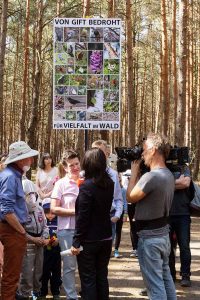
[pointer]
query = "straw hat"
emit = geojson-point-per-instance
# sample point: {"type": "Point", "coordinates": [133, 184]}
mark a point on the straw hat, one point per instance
{"type": "Point", "coordinates": [19, 150]}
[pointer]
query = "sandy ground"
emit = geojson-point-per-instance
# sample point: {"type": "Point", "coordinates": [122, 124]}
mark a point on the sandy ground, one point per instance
{"type": "Point", "coordinates": [125, 278]}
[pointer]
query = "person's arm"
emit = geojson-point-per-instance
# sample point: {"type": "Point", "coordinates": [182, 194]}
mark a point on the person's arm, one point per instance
{"type": "Point", "coordinates": [8, 201]}
{"type": "Point", "coordinates": [134, 193]}
{"type": "Point", "coordinates": [57, 210]}
{"type": "Point", "coordinates": [182, 182]}
{"type": "Point", "coordinates": [13, 222]}
{"type": "Point", "coordinates": [45, 230]}
{"type": "Point", "coordinates": [117, 197]}
{"type": "Point", "coordinates": [37, 183]}
{"type": "Point", "coordinates": [82, 217]}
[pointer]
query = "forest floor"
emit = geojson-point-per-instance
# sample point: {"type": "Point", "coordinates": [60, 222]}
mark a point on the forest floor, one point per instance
{"type": "Point", "coordinates": [124, 274]}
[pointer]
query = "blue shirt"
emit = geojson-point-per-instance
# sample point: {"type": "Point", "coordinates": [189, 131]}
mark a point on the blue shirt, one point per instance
{"type": "Point", "coordinates": [12, 198]}
{"type": "Point", "coordinates": [117, 204]}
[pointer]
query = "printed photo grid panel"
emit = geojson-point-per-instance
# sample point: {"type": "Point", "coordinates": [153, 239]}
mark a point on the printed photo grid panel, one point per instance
{"type": "Point", "coordinates": [87, 74]}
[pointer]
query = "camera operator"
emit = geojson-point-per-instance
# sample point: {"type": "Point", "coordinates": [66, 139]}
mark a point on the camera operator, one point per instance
{"type": "Point", "coordinates": [180, 225]}
{"type": "Point", "coordinates": [153, 193]}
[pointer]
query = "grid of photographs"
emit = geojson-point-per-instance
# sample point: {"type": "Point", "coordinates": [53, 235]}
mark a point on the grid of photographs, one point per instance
{"type": "Point", "coordinates": [86, 73]}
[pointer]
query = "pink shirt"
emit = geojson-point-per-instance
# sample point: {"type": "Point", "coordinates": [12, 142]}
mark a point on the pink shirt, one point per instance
{"type": "Point", "coordinates": [66, 190]}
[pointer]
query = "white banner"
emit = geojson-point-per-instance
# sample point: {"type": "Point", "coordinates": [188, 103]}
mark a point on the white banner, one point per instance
{"type": "Point", "coordinates": [87, 64]}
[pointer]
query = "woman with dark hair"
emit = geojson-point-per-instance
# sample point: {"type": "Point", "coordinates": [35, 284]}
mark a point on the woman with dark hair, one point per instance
{"type": "Point", "coordinates": [45, 176]}
{"type": "Point", "coordinates": [93, 228]}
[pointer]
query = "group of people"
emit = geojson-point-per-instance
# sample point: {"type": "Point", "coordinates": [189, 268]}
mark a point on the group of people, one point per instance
{"type": "Point", "coordinates": [62, 212]}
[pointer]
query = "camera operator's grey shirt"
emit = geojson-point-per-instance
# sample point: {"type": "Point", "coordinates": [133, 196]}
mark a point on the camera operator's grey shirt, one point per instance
{"type": "Point", "coordinates": [158, 185]}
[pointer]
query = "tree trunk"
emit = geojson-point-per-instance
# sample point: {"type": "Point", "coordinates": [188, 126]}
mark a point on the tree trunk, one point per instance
{"type": "Point", "coordinates": [86, 8]}
{"type": "Point", "coordinates": [33, 124]}
{"type": "Point", "coordinates": [22, 132]}
{"type": "Point", "coordinates": [3, 31]}
{"type": "Point", "coordinates": [165, 73]}
{"type": "Point", "coordinates": [181, 104]}
{"type": "Point", "coordinates": [174, 68]}
{"type": "Point", "coordinates": [111, 8]}
{"type": "Point", "coordinates": [131, 98]}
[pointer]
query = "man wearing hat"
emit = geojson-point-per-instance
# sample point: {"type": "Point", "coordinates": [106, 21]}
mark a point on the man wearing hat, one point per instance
{"type": "Point", "coordinates": [13, 215]}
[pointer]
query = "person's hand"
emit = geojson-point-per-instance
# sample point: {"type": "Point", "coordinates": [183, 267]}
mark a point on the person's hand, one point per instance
{"type": "Point", "coordinates": [23, 231]}
{"type": "Point", "coordinates": [114, 219]}
{"type": "Point", "coordinates": [45, 242]}
{"type": "Point", "coordinates": [135, 167]}
{"type": "Point", "coordinates": [42, 195]}
{"type": "Point", "coordinates": [55, 243]}
{"type": "Point", "coordinates": [38, 241]}
{"type": "Point", "coordinates": [125, 217]}
{"type": "Point", "coordinates": [75, 251]}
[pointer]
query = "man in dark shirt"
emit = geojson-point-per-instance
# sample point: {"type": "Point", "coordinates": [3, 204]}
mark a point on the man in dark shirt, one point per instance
{"type": "Point", "coordinates": [180, 225]}
{"type": "Point", "coordinates": [13, 215]}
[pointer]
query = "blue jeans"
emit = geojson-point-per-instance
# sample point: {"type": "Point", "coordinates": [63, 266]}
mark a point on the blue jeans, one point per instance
{"type": "Point", "coordinates": [153, 254]}
{"type": "Point", "coordinates": [180, 225]}
{"type": "Point", "coordinates": [65, 237]}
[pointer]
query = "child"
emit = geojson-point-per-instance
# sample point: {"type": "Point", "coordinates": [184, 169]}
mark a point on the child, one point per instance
{"type": "Point", "coordinates": [52, 258]}
{"type": "Point", "coordinates": [119, 223]}
{"type": "Point", "coordinates": [37, 237]}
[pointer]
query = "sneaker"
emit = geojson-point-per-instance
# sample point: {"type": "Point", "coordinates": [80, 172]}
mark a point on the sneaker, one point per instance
{"type": "Point", "coordinates": [21, 297]}
{"type": "Point", "coordinates": [134, 253]}
{"type": "Point", "coordinates": [185, 281]}
{"type": "Point", "coordinates": [143, 292]}
{"type": "Point", "coordinates": [116, 254]}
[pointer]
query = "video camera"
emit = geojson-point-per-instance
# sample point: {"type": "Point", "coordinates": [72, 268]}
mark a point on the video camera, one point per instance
{"type": "Point", "coordinates": [126, 156]}
{"type": "Point", "coordinates": [177, 156]}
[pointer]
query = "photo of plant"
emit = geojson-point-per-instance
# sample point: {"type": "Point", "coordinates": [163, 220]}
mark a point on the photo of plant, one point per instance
{"type": "Point", "coordinates": [95, 100]}
{"type": "Point", "coordinates": [81, 70]}
{"type": "Point", "coordinates": [60, 58]}
{"type": "Point", "coordinates": [111, 66]}
{"type": "Point", "coordinates": [82, 90]}
{"type": "Point", "coordinates": [111, 106]}
{"type": "Point", "coordinates": [95, 62]}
